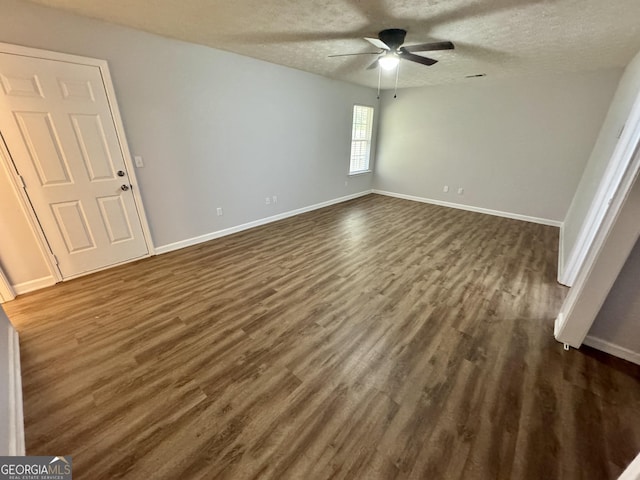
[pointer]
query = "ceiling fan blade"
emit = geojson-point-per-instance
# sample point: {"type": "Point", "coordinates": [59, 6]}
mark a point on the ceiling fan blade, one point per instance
{"type": "Point", "coordinates": [429, 47]}
{"type": "Point", "coordinates": [374, 64]}
{"type": "Point", "coordinates": [376, 42]}
{"type": "Point", "coordinates": [416, 58]}
{"type": "Point", "coordinates": [350, 54]}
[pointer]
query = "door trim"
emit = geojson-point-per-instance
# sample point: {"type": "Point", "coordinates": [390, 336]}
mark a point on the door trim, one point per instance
{"type": "Point", "coordinates": [580, 307]}
{"type": "Point", "coordinates": [6, 290]}
{"type": "Point", "coordinates": [122, 139]}
{"type": "Point", "coordinates": [28, 212]}
{"type": "Point", "coordinates": [613, 179]}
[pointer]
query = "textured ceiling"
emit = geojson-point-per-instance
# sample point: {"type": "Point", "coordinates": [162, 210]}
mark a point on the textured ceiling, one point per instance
{"type": "Point", "coordinates": [496, 37]}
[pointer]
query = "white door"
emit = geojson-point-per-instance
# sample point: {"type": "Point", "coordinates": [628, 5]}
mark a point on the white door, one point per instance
{"type": "Point", "coordinates": [56, 122]}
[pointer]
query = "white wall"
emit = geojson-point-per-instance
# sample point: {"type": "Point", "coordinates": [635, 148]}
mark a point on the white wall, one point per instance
{"type": "Point", "coordinates": [517, 146]}
{"type": "Point", "coordinates": [625, 95]}
{"type": "Point", "coordinates": [618, 322]}
{"type": "Point", "coordinates": [215, 129]}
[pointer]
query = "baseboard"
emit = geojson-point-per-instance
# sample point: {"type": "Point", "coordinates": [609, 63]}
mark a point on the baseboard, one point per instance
{"type": "Point", "coordinates": [612, 349]}
{"type": "Point", "coordinates": [570, 267]}
{"type": "Point", "coordinates": [32, 285]}
{"type": "Point", "coordinates": [6, 290]}
{"type": "Point", "coordinates": [560, 277]}
{"type": "Point", "coordinates": [470, 208]}
{"type": "Point", "coordinates": [16, 415]}
{"type": "Point", "coordinates": [256, 223]}
{"type": "Point", "coordinates": [567, 271]}
{"type": "Point", "coordinates": [556, 326]}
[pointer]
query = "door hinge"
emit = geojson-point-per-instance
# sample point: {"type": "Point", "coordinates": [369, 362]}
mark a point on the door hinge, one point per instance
{"type": "Point", "coordinates": [55, 259]}
{"type": "Point", "coordinates": [24, 185]}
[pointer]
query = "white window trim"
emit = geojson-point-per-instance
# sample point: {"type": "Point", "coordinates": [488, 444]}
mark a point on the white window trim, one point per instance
{"type": "Point", "coordinates": [369, 141]}
{"type": "Point", "coordinates": [360, 172]}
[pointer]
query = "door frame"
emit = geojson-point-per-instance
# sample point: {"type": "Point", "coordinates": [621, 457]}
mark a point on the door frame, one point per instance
{"type": "Point", "coordinates": [27, 211]}
{"type": "Point", "coordinates": [613, 179]}
{"type": "Point", "coordinates": [10, 166]}
{"type": "Point", "coordinates": [581, 305]}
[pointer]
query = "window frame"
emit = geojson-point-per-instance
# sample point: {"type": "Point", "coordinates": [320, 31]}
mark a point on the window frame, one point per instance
{"type": "Point", "coordinates": [368, 139]}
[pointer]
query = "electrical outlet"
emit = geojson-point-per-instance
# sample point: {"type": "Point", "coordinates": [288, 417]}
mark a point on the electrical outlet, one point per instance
{"type": "Point", "coordinates": [274, 199]}
{"type": "Point", "coordinates": [138, 160]}
{"type": "Point", "coordinates": [346, 183]}
{"type": "Point", "coordinates": [445, 189]}
{"type": "Point", "coordinates": [461, 191]}
{"type": "Point", "coordinates": [267, 201]}
{"type": "Point", "coordinates": [219, 211]}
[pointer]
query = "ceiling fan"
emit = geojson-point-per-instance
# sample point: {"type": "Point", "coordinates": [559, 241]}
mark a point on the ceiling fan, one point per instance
{"type": "Point", "coordinates": [390, 42]}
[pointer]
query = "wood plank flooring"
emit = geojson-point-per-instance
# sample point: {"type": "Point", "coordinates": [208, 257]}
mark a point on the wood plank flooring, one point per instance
{"type": "Point", "coordinates": [375, 339]}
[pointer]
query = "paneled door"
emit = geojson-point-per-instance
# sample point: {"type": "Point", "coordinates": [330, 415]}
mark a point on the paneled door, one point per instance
{"type": "Point", "coordinates": [57, 124]}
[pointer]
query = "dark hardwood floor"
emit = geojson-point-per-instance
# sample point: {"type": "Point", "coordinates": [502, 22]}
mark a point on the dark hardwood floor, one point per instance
{"type": "Point", "coordinates": [375, 339]}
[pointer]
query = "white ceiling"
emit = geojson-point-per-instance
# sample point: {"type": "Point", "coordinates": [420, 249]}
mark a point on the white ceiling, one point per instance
{"type": "Point", "coordinates": [496, 37]}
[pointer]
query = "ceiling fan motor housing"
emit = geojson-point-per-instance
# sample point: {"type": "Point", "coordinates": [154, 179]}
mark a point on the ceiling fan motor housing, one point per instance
{"type": "Point", "coordinates": [393, 37]}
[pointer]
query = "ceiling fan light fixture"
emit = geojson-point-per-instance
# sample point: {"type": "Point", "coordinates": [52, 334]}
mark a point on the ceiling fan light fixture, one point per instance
{"type": "Point", "coordinates": [389, 61]}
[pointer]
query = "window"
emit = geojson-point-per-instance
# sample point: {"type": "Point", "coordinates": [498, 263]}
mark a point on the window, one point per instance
{"type": "Point", "coordinates": [361, 139]}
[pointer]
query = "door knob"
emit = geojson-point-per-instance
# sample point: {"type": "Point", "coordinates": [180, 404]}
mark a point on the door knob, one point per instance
{"type": "Point", "coordinates": [120, 173]}
{"type": "Point", "coordinates": [125, 187]}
